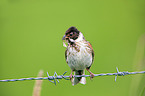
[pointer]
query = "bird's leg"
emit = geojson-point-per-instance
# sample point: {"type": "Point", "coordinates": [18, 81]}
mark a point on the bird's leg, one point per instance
{"type": "Point", "coordinates": [71, 75]}
{"type": "Point", "coordinates": [91, 74]}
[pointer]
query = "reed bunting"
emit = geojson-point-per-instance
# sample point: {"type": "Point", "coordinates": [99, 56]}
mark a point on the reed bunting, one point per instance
{"type": "Point", "coordinates": [79, 54]}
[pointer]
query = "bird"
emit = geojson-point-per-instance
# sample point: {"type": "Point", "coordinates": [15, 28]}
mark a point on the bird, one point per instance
{"type": "Point", "coordinates": [79, 54]}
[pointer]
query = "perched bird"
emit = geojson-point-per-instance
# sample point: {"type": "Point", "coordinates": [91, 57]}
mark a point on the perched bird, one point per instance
{"type": "Point", "coordinates": [79, 54]}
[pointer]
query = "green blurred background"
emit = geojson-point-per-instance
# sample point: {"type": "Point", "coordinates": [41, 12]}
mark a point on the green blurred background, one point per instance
{"type": "Point", "coordinates": [30, 40]}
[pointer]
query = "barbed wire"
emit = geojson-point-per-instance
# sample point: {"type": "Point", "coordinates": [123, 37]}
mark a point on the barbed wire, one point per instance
{"type": "Point", "coordinates": [56, 77]}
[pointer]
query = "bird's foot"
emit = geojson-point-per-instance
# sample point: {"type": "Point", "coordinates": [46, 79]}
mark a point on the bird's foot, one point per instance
{"type": "Point", "coordinates": [71, 76]}
{"type": "Point", "coordinates": [92, 76]}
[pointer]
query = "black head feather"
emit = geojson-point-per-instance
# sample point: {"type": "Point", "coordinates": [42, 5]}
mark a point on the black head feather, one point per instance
{"type": "Point", "coordinates": [72, 33]}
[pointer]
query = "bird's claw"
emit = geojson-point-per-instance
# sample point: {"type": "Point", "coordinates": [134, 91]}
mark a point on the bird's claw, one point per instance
{"type": "Point", "coordinates": [92, 76]}
{"type": "Point", "coordinates": [71, 76]}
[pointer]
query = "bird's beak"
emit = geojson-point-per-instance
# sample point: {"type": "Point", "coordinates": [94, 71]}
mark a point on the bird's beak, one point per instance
{"type": "Point", "coordinates": [63, 38]}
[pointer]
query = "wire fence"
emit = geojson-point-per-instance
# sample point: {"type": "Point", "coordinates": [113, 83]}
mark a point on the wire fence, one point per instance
{"type": "Point", "coordinates": [55, 77]}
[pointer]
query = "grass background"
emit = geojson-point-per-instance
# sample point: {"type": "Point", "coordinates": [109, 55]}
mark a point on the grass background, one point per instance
{"type": "Point", "coordinates": [30, 40]}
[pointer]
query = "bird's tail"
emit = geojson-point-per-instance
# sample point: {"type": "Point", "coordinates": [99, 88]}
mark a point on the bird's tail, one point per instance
{"type": "Point", "coordinates": [77, 80]}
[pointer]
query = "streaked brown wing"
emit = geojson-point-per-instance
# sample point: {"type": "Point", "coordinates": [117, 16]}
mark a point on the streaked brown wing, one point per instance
{"type": "Point", "coordinates": [66, 55]}
{"type": "Point", "coordinates": [90, 46]}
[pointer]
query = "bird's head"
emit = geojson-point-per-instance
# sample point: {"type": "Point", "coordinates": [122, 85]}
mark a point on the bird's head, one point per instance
{"type": "Point", "coordinates": [73, 35]}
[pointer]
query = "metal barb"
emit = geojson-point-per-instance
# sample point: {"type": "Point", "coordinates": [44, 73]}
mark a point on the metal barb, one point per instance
{"type": "Point", "coordinates": [49, 78]}
{"type": "Point", "coordinates": [53, 78]}
{"type": "Point", "coordinates": [56, 76]}
{"type": "Point", "coordinates": [63, 76]}
{"type": "Point", "coordinates": [116, 74]}
{"type": "Point", "coordinates": [120, 74]}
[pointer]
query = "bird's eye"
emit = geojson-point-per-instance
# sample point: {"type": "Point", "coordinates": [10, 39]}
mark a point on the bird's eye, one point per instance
{"type": "Point", "coordinates": [71, 34]}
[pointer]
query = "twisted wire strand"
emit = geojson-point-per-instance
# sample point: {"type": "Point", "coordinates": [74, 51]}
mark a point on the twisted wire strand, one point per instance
{"type": "Point", "coordinates": [55, 77]}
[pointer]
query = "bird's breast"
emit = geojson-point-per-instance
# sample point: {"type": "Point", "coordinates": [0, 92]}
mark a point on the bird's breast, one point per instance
{"type": "Point", "coordinates": [79, 57]}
